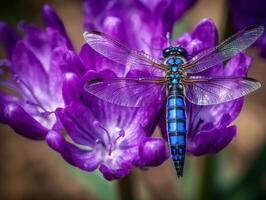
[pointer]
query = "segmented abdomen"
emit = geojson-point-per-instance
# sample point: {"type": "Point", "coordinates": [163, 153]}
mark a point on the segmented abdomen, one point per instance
{"type": "Point", "coordinates": [176, 128]}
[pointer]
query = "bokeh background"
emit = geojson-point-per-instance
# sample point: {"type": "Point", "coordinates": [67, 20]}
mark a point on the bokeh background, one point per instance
{"type": "Point", "coordinates": [31, 170]}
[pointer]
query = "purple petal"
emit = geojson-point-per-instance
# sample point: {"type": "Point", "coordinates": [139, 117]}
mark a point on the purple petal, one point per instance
{"type": "Point", "coordinates": [211, 117]}
{"type": "Point", "coordinates": [152, 152]}
{"type": "Point", "coordinates": [221, 115]}
{"type": "Point", "coordinates": [28, 68]}
{"type": "Point", "coordinates": [211, 142]}
{"type": "Point", "coordinates": [122, 19]}
{"type": "Point", "coordinates": [52, 20]}
{"type": "Point", "coordinates": [95, 61]}
{"type": "Point", "coordinates": [93, 11]}
{"type": "Point", "coordinates": [71, 88]}
{"type": "Point", "coordinates": [23, 123]}
{"type": "Point", "coordinates": [111, 174]}
{"type": "Point", "coordinates": [86, 160]}
{"type": "Point", "coordinates": [120, 162]}
{"type": "Point", "coordinates": [38, 42]}
{"type": "Point", "coordinates": [8, 38]}
{"type": "Point", "coordinates": [71, 61]}
{"type": "Point", "coordinates": [109, 112]}
{"type": "Point", "coordinates": [206, 32]}
{"type": "Point", "coordinates": [90, 59]}
{"type": "Point", "coordinates": [238, 66]}
{"type": "Point", "coordinates": [5, 100]}
{"type": "Point", "coordinates": [63, 61]}
{"type": "Point", "coordinates": [79, 123]}
{"type": "Point", "coordinates": [203, 36]}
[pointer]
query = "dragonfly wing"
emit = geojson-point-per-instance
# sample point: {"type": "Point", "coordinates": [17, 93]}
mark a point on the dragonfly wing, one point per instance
{"type": "Point", "coordinates": [120, 53]}
{"type": "Point", "coordinates": [215, 90]}
{"type": "Point", "coordinates": [224, 51]}
{"type": "Point", "coordinates": [129, 92]}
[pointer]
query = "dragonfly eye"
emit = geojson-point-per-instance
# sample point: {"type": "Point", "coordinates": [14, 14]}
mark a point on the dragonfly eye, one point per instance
{"type": "Point", "coordinates": [182, 52]}
{"type": "Point", "coordinates": [166, 52]}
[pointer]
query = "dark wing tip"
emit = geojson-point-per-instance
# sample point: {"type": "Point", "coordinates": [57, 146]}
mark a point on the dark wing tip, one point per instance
{"type": "Point", "coordinates": [95, 32]}
{"type": "Point", "coordinates": [256, 83]}
{"type": "Point", "coordinates": [259, 28]}
{"type": "Point", "coordinates": [95, 80]}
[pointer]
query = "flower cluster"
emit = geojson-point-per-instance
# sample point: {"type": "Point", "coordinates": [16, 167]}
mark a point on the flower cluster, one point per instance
{"type": "Point", "coordinates": [43, 94]}
{"type": "Point", "coordinates": [36, 64]}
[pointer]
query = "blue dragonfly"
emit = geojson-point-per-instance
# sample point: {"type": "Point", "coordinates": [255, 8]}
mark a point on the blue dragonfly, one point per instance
{"type": "Point", "coordinates": [179, 80]}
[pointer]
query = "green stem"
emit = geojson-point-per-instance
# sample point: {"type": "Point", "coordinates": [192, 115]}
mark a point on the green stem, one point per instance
{"type": "Point", "coordinates": [207, 182]}
{"type": "Point", "coordinates": [126, 189]}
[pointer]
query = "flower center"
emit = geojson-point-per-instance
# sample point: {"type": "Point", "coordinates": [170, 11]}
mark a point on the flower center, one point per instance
{"type": "Point", "coordinates": [110, 139]}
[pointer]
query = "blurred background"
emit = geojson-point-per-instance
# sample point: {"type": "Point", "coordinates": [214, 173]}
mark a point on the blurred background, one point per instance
{"type": "Point", "coordinates": [31, 170]}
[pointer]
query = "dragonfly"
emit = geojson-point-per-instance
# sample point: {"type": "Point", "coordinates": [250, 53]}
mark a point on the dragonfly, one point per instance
{"type": "Point", "coordinates": [179, 80]}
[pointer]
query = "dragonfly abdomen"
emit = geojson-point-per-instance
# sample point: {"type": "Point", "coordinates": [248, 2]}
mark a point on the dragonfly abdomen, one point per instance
{"type": "Point", "coordinates": [176, 127]}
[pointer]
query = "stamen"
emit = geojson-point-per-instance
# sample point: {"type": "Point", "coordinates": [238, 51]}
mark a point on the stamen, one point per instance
{"type": "Point", "coordinates": [110, 146]}
{"type": "Point", "coordinates": [121, 133]}
{"type": "Point", "coordinates": [46, 114]}
{"type": "Point", "coordinates": [99, 141]}
{"type": "Point", "coordinates": [33, 104]}
{"type": "Point", "coordinates": [18, 80]}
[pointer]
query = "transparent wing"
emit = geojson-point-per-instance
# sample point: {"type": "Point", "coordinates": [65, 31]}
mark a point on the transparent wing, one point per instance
{"type": "Point", "coordinates": [215, 90]}
{"type": "Point", "coordinates": [227, 49]}
{"type": "Point", "coordinates": [130, 92]}
{"type": "Point", "coordinates": [120, 53]}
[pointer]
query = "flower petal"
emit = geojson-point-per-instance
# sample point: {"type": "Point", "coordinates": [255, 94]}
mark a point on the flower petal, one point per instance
{"type": "Point", "coordinates": [79, 123]}
{"type": "Point", "coordinates": [29, 69]}
{"type": "Point", "coordinates": [211, 142]}
{"type": "Point", "coordinates": [211, 117]}
{"type": "Point", "coordinates": [23, 123]}
{"type": "Point", "coordinates": [70, 62]}
{"type": "Point", "coordinates": [111, 174]}
{"type": "Point", "coordinates": [206, 32]}
{"type": "Point", "coordinates": [110, 113]}
{"type": "Point", "coordinates": [152, 152]}
{"type": "Point", "coordinates": [86, 160]}
{"type": "Point", "coordinates": [94, 11]}
{"type": "Point", "coordinates": [5, 99]}
{"type": "Point", "coordinates": [52, 20]}
{"type": "Point", "coordinates": [238, 66]}
{"type": "Point", "coordinates": [38, 42]}
{"type": "Point", "coordinates": [62, 61]}
{"type": "Point", "coordinates": [71, 88]}
{"type": "Point", "coordinates": [95, 61]}
{"type": "Point", "coordinates": [203, 36]}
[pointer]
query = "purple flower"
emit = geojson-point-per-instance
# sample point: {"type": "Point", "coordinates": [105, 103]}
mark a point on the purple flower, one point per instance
{"type": "Point", "coordinates": [36, 64]}
{"type": "Point", "coordinates": [103, 135]}
{"type": "Point", "coordinates": [140, 24]}
{"type": "Point", "coordinates": [134, 22]}
{"type": "Point", "coordinates": [208, 126]}
{"type": "Point", "coordinates": [51, 94]}
{"type": "Point", "coordinates": [244, 13]}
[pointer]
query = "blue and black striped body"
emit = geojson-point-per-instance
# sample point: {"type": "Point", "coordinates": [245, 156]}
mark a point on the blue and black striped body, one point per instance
{"type": "Point", "coordinates": [175, 113]}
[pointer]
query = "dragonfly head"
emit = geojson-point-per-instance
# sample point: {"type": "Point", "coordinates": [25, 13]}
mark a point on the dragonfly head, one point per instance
{"type": "Point", "coordinates": [174, 51]}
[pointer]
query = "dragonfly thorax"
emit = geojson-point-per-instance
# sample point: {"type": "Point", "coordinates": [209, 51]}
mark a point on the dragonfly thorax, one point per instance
{"type": "Point", "coordinates": [174, 71]}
